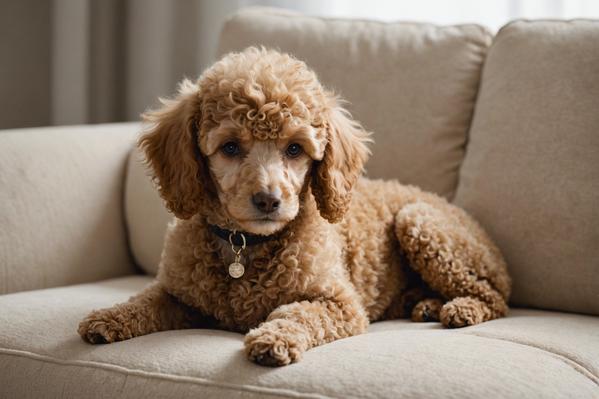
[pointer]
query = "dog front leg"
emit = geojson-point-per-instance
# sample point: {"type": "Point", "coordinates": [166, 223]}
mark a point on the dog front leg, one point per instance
{"type": "Point", "coordinates": [292, 329]}
{"type": "Point", "coordinates": [152, 310]}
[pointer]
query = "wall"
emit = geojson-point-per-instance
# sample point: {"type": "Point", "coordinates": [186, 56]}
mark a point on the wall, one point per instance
{"type": "Point", "coordinates": [25, 63]}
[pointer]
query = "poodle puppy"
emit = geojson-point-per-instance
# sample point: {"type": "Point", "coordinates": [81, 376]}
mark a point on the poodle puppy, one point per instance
{"type": "Point", "coordinates": [276, 233]}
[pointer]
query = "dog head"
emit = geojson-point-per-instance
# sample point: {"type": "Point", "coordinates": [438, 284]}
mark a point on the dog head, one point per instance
{"type": "Point", "coordinates": [249, 139]}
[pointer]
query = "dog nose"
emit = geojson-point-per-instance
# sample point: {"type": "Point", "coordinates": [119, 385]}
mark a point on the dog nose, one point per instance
{"type": "Point", "coordinates": [266, 202]}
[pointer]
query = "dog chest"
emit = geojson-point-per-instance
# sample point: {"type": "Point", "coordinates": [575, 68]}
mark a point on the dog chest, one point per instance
{"type": "Point", "coordinates": [237, 304]}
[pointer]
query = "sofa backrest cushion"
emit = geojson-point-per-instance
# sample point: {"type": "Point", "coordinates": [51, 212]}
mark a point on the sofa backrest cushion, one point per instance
{"type": "Point", "coordinates": [531, 173]}
{"type": "Point", "coordinates": [414, 85]}
{"type": "Point", "coordinates": [146, 214]}
{"type": "Point", "coordinates": [61, 217]}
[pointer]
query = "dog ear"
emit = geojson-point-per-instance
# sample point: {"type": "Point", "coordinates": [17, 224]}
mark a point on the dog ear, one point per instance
{"type": "Point", "coordinates": [172, 151]}
{"type": "Point", "coordinates": [345, 153]}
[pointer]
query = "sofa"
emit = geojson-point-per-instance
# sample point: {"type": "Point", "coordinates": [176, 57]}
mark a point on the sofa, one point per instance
{"type": "Point", "coordinates": [505, 125]}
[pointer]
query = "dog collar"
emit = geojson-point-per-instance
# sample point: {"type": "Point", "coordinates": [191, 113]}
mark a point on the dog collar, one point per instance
{"type": "Point", "coordinates": [239, 238]}
{"type": "Point", "coordinates": [238, 241]}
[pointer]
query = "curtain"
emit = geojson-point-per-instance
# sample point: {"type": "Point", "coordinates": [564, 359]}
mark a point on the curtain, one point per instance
{"type": "Point", "coordinates": [113, 58]}
{"type": "Point", "coordinates": [93, 61]}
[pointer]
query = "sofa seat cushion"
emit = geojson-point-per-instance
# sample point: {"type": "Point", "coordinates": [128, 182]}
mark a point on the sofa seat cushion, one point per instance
{"type": "Point", "coordinates": [529, 354]}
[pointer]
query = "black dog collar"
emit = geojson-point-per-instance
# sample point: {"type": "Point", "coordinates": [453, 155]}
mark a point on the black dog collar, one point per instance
{"type": "Point", "coordinates": [237, 237]}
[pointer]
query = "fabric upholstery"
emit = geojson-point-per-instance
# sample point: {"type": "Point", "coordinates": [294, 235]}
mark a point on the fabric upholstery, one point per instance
{"type": "Point", "coordinates": [413, 85]}
{"type": "Point", "coordinates": [531, 173]}
{"type": "Point", "coordinates": [529, 354]}
{"type": "Point", "coordinates": [61, 215]}
{"type": "Point", "coordinates": [146, 215]}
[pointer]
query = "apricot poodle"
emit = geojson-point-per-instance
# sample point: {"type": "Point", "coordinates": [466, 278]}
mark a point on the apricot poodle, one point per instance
{"type": "Point", "coordinates": [276, 233]}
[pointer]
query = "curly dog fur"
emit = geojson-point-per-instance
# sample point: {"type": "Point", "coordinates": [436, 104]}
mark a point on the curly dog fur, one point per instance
{"type": "Point", "coordinates": [346, 250]}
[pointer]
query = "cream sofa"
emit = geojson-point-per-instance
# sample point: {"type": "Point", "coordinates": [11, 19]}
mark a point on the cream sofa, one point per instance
{"type": "Point", "coordinates": [505, 126]}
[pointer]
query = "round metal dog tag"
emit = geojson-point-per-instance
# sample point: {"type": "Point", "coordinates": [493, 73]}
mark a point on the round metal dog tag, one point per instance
{"type": "Point", "coordinates": [236, 270]}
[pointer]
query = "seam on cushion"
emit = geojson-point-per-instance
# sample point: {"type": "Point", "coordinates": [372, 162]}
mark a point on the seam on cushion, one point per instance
{"type": "Point", "coordinates": [570, 362]}
{"type": "Point", "coordinates": [289, 393]}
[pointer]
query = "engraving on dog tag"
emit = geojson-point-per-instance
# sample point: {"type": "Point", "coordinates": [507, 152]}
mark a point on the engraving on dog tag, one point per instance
{"type": "Point", "coordinates": [236, 270]}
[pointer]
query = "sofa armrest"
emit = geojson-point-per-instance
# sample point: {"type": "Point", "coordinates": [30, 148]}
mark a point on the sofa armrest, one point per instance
{"type": "Point", "coordinates": [61, 211]}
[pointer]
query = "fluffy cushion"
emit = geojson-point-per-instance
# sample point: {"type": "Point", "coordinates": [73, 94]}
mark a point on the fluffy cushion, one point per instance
{"type": "Point", "coordinates": [529, 354]}
{"type": "Point", "coordinates": [531, 173]}
{"type": "Point", "coordinates": [413, 85]}
{"type": "Point", "coordinates": [61, 219]}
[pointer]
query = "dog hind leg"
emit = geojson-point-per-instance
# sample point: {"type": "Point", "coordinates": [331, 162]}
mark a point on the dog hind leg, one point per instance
{"type": "Point", "coordinates": [455, 262]}
{"type": "Point", "coordinates": [428, 309]}
{"type": "Point", "coordinates": [418, 303]}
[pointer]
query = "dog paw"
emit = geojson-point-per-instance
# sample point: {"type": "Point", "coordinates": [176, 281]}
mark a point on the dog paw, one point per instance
{"type": "Point", "coordinates": [274, 345]}
{"type": "Point", "coordinates": [427, 310]}
{"type": "Point", "coordinates": [101, 327]}
{"type": "Point", "coordinates": [462, 312]}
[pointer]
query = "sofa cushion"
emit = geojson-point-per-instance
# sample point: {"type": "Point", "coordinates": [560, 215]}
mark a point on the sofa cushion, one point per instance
{"type": "Point", "coordinates": [145, 213]}
{"type": "Point", "coordinates": [413, 85]}
{"type": "Point", "coordinates": [61, 218]}
{"type": "Point", "coordinates": [531, 173]}
{"type": "Point", "coordinates": [529, 354]}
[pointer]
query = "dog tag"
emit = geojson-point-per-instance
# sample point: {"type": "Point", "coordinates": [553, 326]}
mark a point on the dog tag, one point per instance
{"type": "Point", "coordinates": [236, 270]}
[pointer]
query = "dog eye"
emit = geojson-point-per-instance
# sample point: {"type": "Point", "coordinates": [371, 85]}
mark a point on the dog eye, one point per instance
{"type": "Point", "coordinates": [293, 150]}
{"type": "Point", "coordinates": [230, 148]}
